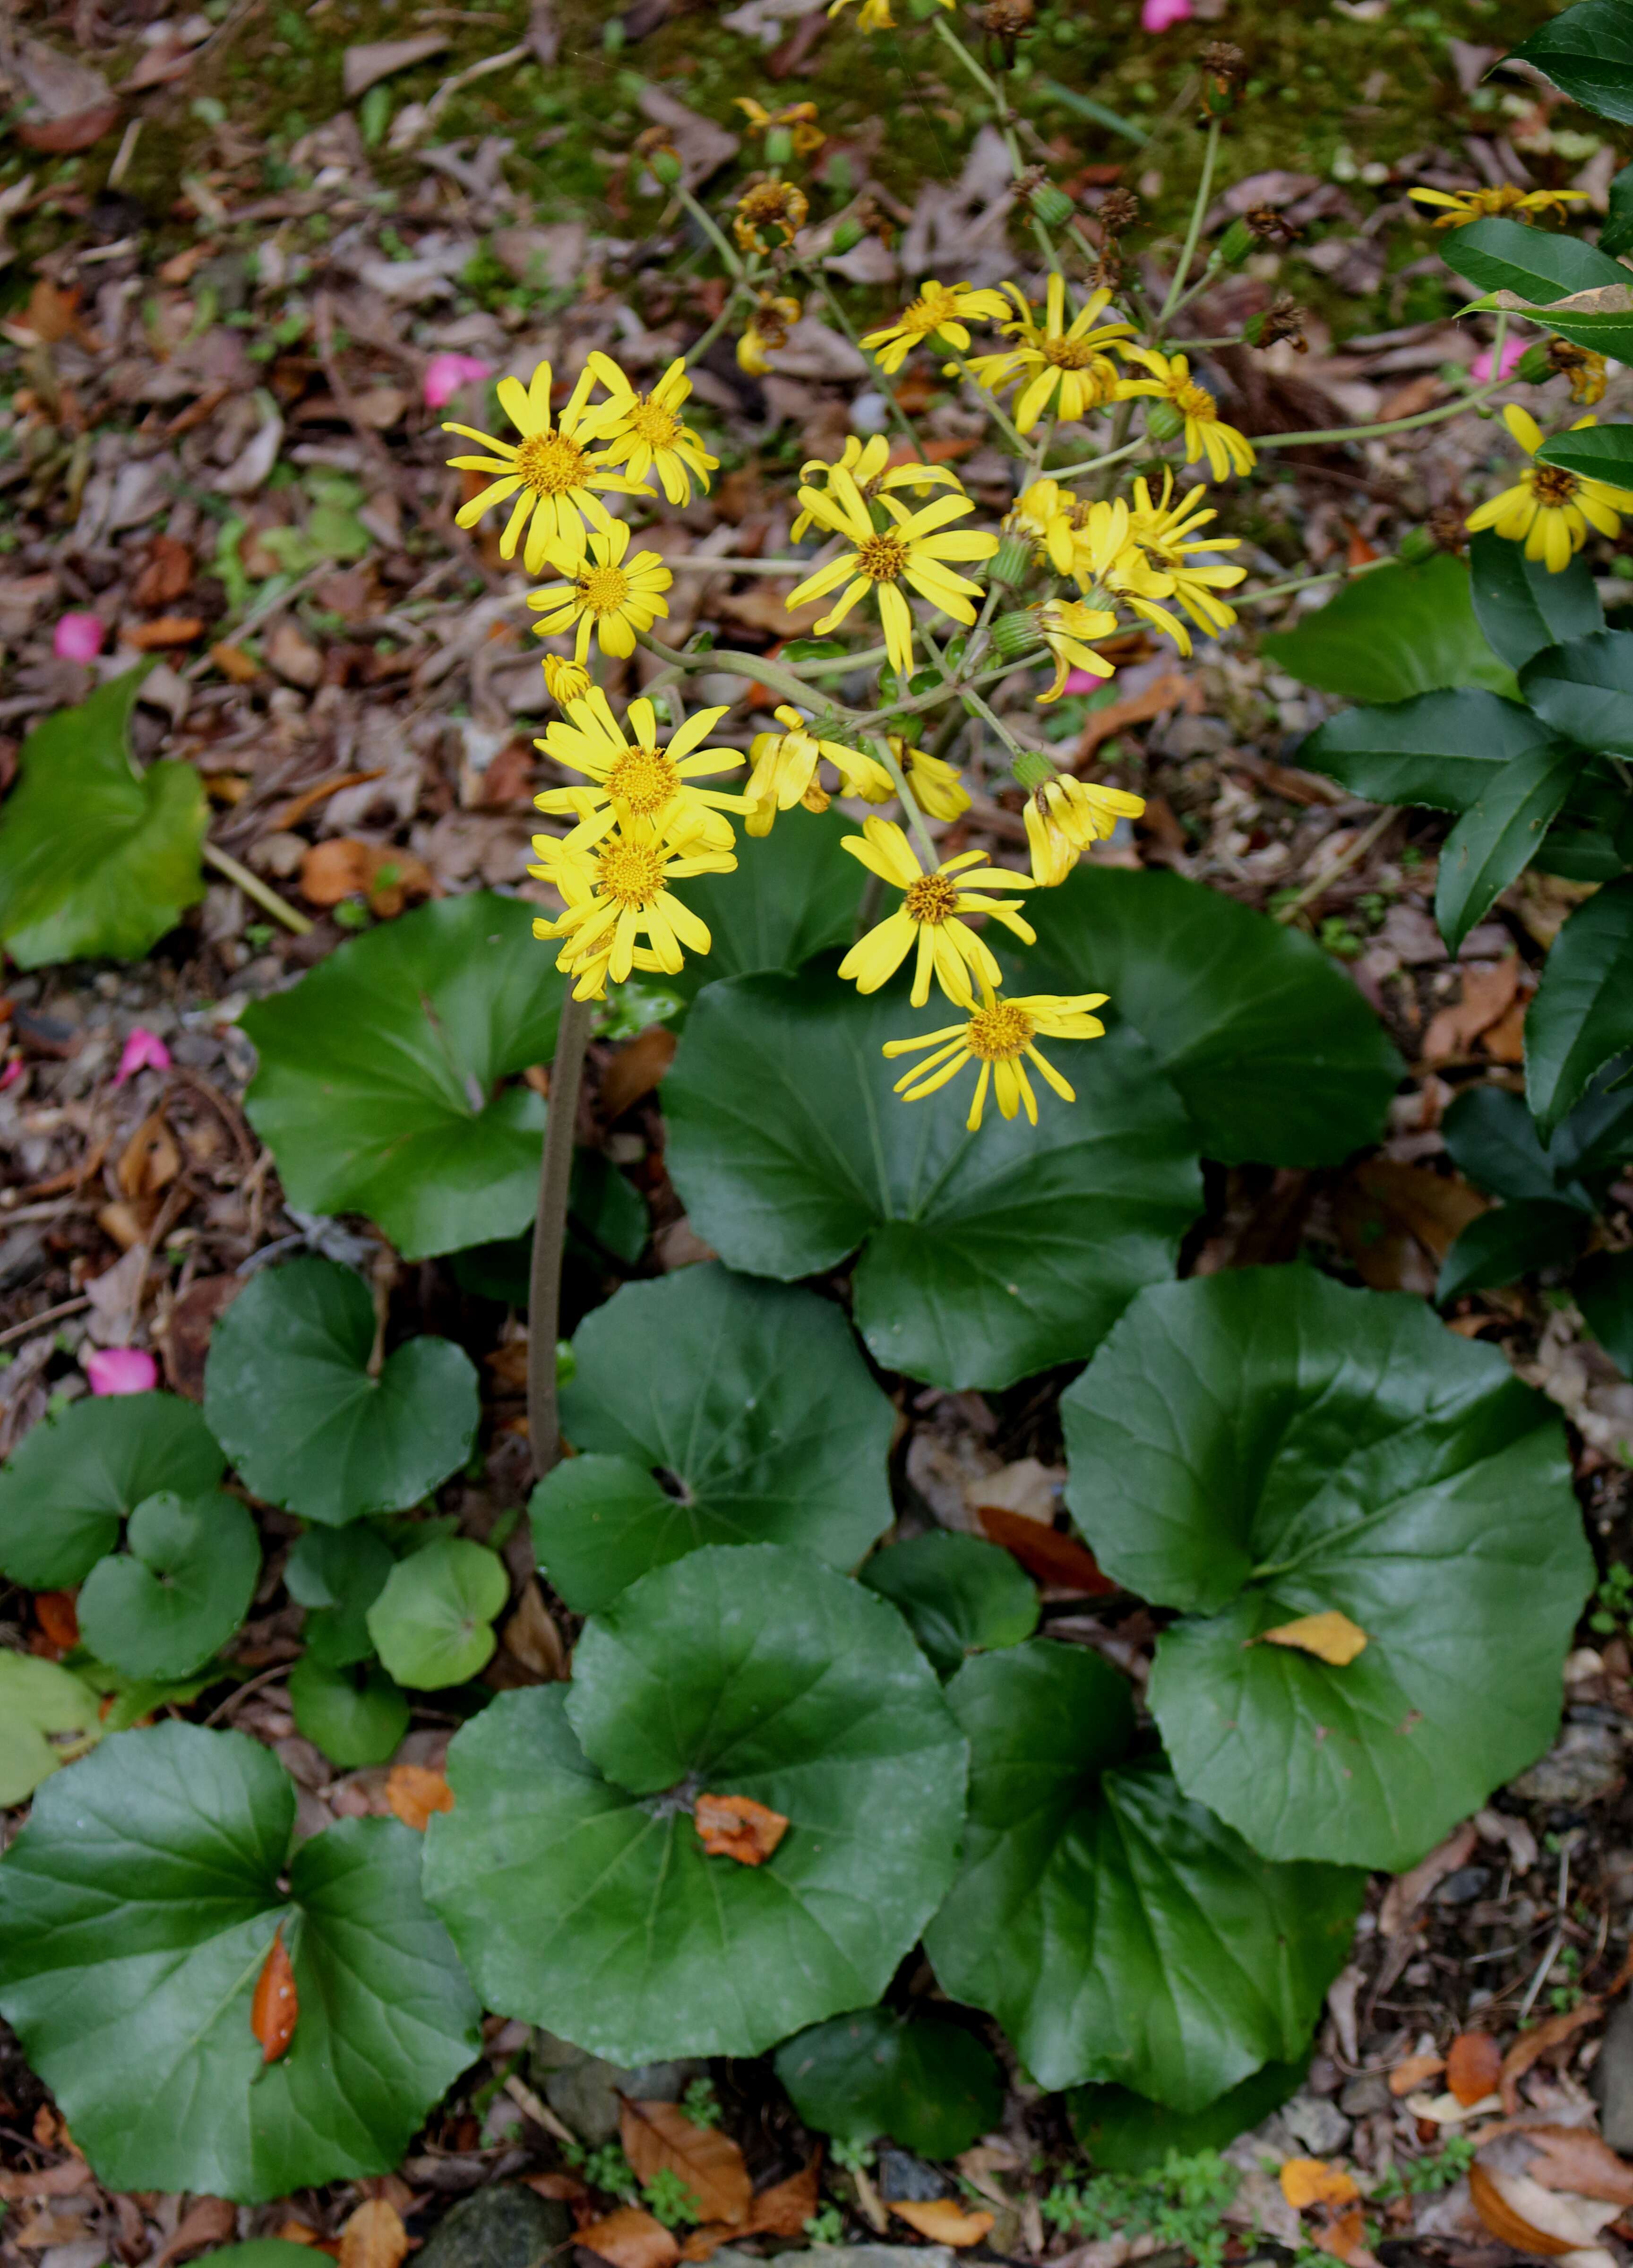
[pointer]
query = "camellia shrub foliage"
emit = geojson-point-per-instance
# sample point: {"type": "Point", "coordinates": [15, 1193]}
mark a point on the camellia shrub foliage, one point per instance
{"type": "Point", "coordinates": [972, 1104]}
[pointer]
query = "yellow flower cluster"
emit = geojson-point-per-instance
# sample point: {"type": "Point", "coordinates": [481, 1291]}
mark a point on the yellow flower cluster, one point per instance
{"type": "Point", "coordinates": [1141, 556]}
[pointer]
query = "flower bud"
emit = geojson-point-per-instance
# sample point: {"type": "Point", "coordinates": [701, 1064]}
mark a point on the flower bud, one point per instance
{"type": "Point", "coordinates": [1053, 207]}
{"type": "Point", "coordinates": [1164, 421]}
{"type": "Point", "coordinates": [848, 234]}
{"type": "Point", "coordinates": [1015, 634]}
{"type": "Point", "coordinates": [1032, 770]}
{"type": "Point", "coordinates": [1237, 242]}
{"type": "Point", "coordinates": [1415, 547]}
{"type": "Point", "coordinates": [1533, 367]}
{"type": "Point", "coordinates": [779, 145]}
{"type": "Point", "coordinates": [1012, 562]}
{"type": "Point", "coordinates": [665, 167]}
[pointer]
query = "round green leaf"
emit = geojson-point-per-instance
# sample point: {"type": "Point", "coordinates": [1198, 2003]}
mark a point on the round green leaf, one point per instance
{"type": "Point", "coordinates": [378, 1087]}
{"type": "Point", "coordinates": [137, 1910]}
{"type": "Point", "coordinates": [1400, 630]}
{"type": "Point", "coordinates": [755, 1401]}
{"type": "Point", "coordinates": [72, 1479]}
{"type": "Point", "coordinates": [930, 2085]}
{"type": "Point", "coordinates": [288, 1392]}
{"type": "Point", "coordinates": [48, 1717]}
{"type": "Point", "coordinates": [1116, 1930]}
{"type": "Point", "coordinates": [432, 1623]}
{"type": "Point", "coordinates": [1123, 2133]}
{"type": "Point", "coordinates": [355, 1715]}
{"type": "Point", "coordinates": [795, 892]}
{"type": "Point", "coordinates": [570, 1870]}
{"type": "Point", "coordinates": [174, 1596]}
{"type": "Point", "coordinates": [1261, 1445]}
{"type": "Point", "coordinates": [985, 1256]}
{"type": "Point", "coordinates": [337, 1573]}
{"type": "Point", "coordinates": [959, 1596]}
{"type": "Point", "coordinates": [1275, 1054]}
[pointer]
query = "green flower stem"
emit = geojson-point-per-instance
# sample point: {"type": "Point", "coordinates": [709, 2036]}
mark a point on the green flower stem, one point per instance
{"type": "Point", "coordinates": [1309, 582]}
{"type": "Point", "coordinates": [886, 755]}
{"type": "Point", "coordinates": [1097, 464]}
{"type": "Point", "coordinates": [982, 77]}
{"type": "Point", "coordinates": [898, 416]}
{"type": "Point", "coordinates": [544, 1280]}
{"type": "Point", "coordinates": [995, 408]}
{"type": "Point", "coordinates": [706, 221]}
{"type": "Point", "coordinates": [700, 346]}
{"type": "Point", "coordinates": [702, 563]}
{"type": "Point", "coordinates": [1394, 425]}
{"type": "Point", "coordinates": [780, 677]}
{"type": "Point", "coordinates": [252, 886]}
{"type": "Point", "coordinates": [1204, 190]}
{"type": "Point", "coordinates": [984, 710]}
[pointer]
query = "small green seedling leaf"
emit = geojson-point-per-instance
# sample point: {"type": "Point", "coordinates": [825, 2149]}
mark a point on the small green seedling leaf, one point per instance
{"type": "Point", "coordinates": [48, 1717]}
{"type": "Point", "coordinates": [959, 1596]}
{"type": "Point", "coordinates": [356, 1714]}
{"type": "Point", "coordinates": [432, 1623]}
{"type": "Point", "coordinates": [71, 1480]}
{"type": "Point", "coordinates": [931, 2085]}
{"type": "Point", "coordinates": [174, 1596]}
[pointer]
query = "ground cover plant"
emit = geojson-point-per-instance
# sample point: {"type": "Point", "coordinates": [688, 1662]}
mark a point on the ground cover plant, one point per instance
{"type": "Point", "coordinates": [880, 1457]}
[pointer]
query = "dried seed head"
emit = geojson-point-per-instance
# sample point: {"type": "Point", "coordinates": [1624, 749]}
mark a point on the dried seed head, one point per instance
{"type": "Point", "coordinates": [1444, 527]}
{"type": "Point", "coordinates": [1283, 319]}
{"type": "Point", "coordinates": [1006, 19]}
{"type": "Point", "coordinates": [1270, 227]}
{"type": "Point", "coordinates": [1119, 209]}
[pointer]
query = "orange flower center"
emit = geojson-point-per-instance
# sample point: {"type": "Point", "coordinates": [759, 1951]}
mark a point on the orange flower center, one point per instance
{"type": "Point", "coordinates": [932, 899]}
{"type": "Point", "coordinates": [550, 464]}
{"type": "Point", "coordinates": [645, 780]}
{"type": "Point", "coordinates": [630, 874]}
{"type": "Point", "coordinates": [1552, 486]}
{"type": "Point", "coordinates": [881, 557]}
{"type": "Point", "coordinates": [997, 1033]}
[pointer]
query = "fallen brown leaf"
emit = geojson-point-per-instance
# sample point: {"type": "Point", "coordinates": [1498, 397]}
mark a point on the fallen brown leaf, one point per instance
{"type": "Point", "coordinates": [290, 813]}
{"type": "Point", "coordinates": [781, 2211]}
{"type": "Point", "coordinates": [49, 2227]}
{"type": "Point", "coordinates": [64, 135]}
{"type": "Point", "coordinates": [166, 572]}
{"type": "Point", "coordinates": [1501, 2218]}
{"type": "Point", "coordinates": [275, 2008]}
{"type": "Point", "coordinates": [54, 1612]}
{"type": "Point", "coordinates": [1331, 1636]}
{"type": "Point", "coordinates": [1047, 1555]}
{"type": "Point", "coordinates": [532, 1637]}
{"type": "Point", "coordinates": [150, 1161]}
{"type": "Point", "coordinates": [658, 2136]}
{"type": "Point", "coordinates": [630, 2238]}
{"type": "Point", "coordinates": [169, 629]}
{"type": "Point", "coordinates": [1407, 1891]}
{"type": "Point", "coordinates": [943, 2220]}
{"type": "Point", "coordinates": [1474, 2066]}
{"type": "Point", "coordinates": [373, 2237]}
{"type": "Point", "coordinates": [207, 2221]}
{"type": "Point", "coordinates": [1312, 2181]}
{"type": "Point", "coordinates": [1345, 2237]}
{"type": "Point", "coordinates": [1397, 1222]}
{"type": "Point", "coordinates": [1574, 2159]}
{"type": "Point", "coordinates": [636, 1070]}
{"type": "Point", "coordinates": [1488, 994]}
{"type": "Point", "coordinates": [1160, 698]}
{"type": "Point", "coordinates": [234, 663]}
{"type": "Point", "coordinates": [345, 868]}
{"type": "Point", "coordinates": [1537, 2042]}
{"type": "Point", "coordinates": [1414, 2072]}
{"type": "Point", "coordinates": [414, 1793]}
{"type": "Point", "coordinates": [65, 2180]}
{"type": "Point", "coordinates": [737, 1827]}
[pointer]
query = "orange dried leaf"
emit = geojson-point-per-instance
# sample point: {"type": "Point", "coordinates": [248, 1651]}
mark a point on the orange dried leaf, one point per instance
{"type": "Point", "coordinates": [737, 1827]}
{"type": "Point", "coordinates": [1416, 2071]}
{"type": "Point", "coordinates": [234, 663]}
{"type": "Point", "coordinates": [1537, 2042]}
{"type": "Point", "coordinates": [1329, 1636]}
{"type": "Point", "coordinates": [414, 1793]}
{"type": "Point", "coordinates": [1574, 2160]}
{"type": "Point", "coordinates": [943, 2220]}
{"type": "Point", "coordinates": [374, 2237]}
{"type": "Point", "coordinates": [658, 2136]}
{"type": "Point", "coordinates": [169, 629]}
{"type": "Point", "coordinates": [1312, 2181]}
{"type": "Point", "coordinates": [56, 1616]}
{"type": "Point", "coordinates": [274, 2011]}
{"type": "Point", "coordinates": [1345, 2238]}
{"type": "Point", "coordinates": [786, 2206]}
{"type": "Point", "coordinates": [630, 2238]}
{"type": "Point", "coordinates": [1504, 2222]}
{"type": "Point", "coordinates": [1047, 1556]}
{"type": "Point", "coordinates": [1474, 2066]}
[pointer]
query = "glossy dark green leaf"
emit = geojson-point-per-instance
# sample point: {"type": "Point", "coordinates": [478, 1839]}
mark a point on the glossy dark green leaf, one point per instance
{"type": "Point", "coordinates": [1609, 333]}
{"type": "Point", "coordinates": [1499, 835]}
{"type": "Point", "coordinates": [1511, 1241]}
{"type": "Point", "coordinates": [1582, 1014]}
{"type": "Point", "coordinates": [380, 1087]}
{"type": "Point", "coordinates": [1116, 1930]}
{"type": "Point", "coordinates": [1521, 607]}
{"type": "Point", "coordinates": [1123, 2133]}
{"type": "Point", "coordinates": [1597, 1136]}
{"type": "Point", "coordinates": [288, 1395]}
{"type": "Point", "coordinates": [1386, 635]}
{"type": "Point", "coordinates": [48, 1717]}
{"type": "Point", "coordinates": [183, 1584]}
{"type": "Point", "coordinates": [1492, 1139]}
{"type": "Point", "coordinates": [1539, 265]}
{"type": "Point", "coordinates": [1585, 689]}
{"type": "Point", "coordinates": [137, 1910]}
{"type": "Point", "coordinates": [1276, 1056]}
{"type": "Point", "coordinates": [72, 1479]}
{"type": "Point", "coordinates": [1441, 750]}
{"type": "Point", "coordinates": [94, 860]}
{"type": "Point", "coordinates": [356, 1713]}
{"type": "Point", "coordinates": [1263, 1445]}
{"type": "Point", "coordinates": [432, 1623]}
{"type": "Point", "coordinates": [931, 2086]}
{"type": "Point", "coordinates": [337, 1573]}
{"type": "Point", "coordinates": [1599, 453]}
{"type": "Point", "coordinates": [959, 1594]}
{"type": "Point", "coordinates": [985, 1256]}
{"type": "Point", "coordinates": [259, 2252]}
{"type": "Point", "coordinates": [755, 1402]}
{"type": "Point", "coordinates": [1603, 1288]}
{"type": "Point", "coordinates": [1615, 233]}
{"type": "Point", "coordinates": [795, 892]}
{"type": "Point", "coordinates": [570, 1870]}
{"type": "Point", "coordinates": [1587, 51]}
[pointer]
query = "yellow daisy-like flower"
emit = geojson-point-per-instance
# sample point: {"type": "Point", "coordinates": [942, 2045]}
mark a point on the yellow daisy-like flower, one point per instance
{"type": "Point", "coordinates": [941, 311]}
{"type": "Point", "coordinates": [1206, 432]}
{"type": "Point", "coordinates": [869, 466]}
{"type": "Point", "coordinates": [799, 120]}
{"type": "Point", "coordinates": [769, 204]}
{"type": "Point", "coordinates": [916, 548]}
{"type": "Point", "coordinates": [559, 481]}
{"type": "Point", "coordinates": [644, 432]}
{"type": "Point", "coordinates": [1064, 815]}
{"type": "Point", "coordinates": [1064, 624]}
{"type": "Point", "coordinates": [1168, 534]}
{"type": "Point", "coordinates": [565, 681]}
{"type": "Point", "coordinates": [616, 897]}
{"type": "Point", "coordinates": [1050, 516]}
{"type": "Point", "coordinates": [1063, 363]}
{"type": "Point", "coordinates": [1549, 509]}
{"type": "Point", "coordinates": [1464, 205]}
{"type": "Point", "coordinates": [607, 592]}
{"type": "Point", "coordinates": [931, 917]}
{"type": "Point", "coordinates": [767, 330]}
{"type": "Point", "coordinates": [785, 772]}
{"type": "Point", "coordinates": [938, 786]}
{"type": "Point", "coordinates": [875, 16]}
{"type": "Point", "coordinates": [1001, 1035]}
{"type": "Point", "coordinates": [638, 779]}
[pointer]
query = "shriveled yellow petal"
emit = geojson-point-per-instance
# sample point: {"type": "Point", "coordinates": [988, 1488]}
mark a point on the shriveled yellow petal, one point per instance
{"type": "Point", "coordinates": [1331, 1636]}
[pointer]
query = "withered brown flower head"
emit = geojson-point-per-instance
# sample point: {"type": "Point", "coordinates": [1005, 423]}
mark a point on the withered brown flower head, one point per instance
{"type": "Point", "coordinates": [1270, 227]}
{"type": "Point", "coordinates": [1006, 19]}
{"type": "Point", "coordinates": [1119, 208]}
{"type": "Point", "coordinates": [768, 205]}
{"type": "Point", "coordinates": [652, 139]}
{"type": "Point", "coordinates": [1283, 319]}
{"type": "Point", "coordinates": [1444, 527]}
{"type": "Point", "coordinates": [1222, 61]}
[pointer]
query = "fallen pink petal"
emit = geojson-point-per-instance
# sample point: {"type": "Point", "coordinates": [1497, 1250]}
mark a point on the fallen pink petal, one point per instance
{"type": "Point", "coordinates": [78, 637]}
{"type": "Point", "coordinates": [446, 374]}
{"type": "Point", "coordinates": [12, 1072]}
{"type": "Point", "coordinates": [121, 1370]}
{"type": "Point", "coordinates": [1485, 371]}
{"type": "Point", "coordinates": [1163, 15]}
{"type": "Point", "coordinates": [143, 1050]}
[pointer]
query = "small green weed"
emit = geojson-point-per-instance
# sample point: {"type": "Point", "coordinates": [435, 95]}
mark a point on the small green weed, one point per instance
{"type": "Point", "coordinates": [668, 2200]}
{"type": "Point", "coordinates": [1425, 2177]}
{"type": "Point", "coordinates": [1179, 2203]}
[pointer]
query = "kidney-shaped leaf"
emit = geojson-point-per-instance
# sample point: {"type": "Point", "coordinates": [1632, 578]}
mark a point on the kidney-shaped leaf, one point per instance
{"type": "Point", "coordinates": [795, 892]}
{"type": "Point", "coordinates": [137, 1907]}
{"type": "Point", "coordinates": [1116, 1930]}
{"type": "Point", "coordinates": [1261, 1445]}
{"type": "Point", "coordinates": [1521, 607]}
{"type": "Point", "coordinates": [930, 2085]}
{"type": "Point", "coordinates": [72, 1479]}
{"type": "Point", "coordinates": [987, 1256]}
{"type": "Point", "coordinates": [751, 1397]}
{"type": "Point", "coordinates": [570, 1870]}
{"type": "Point", "coordinates": [93, 859]}
{"type": "Point", "coordinates": [1583, 1012]}
{"type": "Point", "coordinates": [354, 1711]}
{"type": "Point", "coordinates": [48, 1717]}
{"type": "Point", "coordinates": [1587, 51]}
{"type": "Point", "coordinates": [163, 1606]}
{"type": "Point", "coordinates": [1275, 1054]}
{"type": "Point", "coordinates": [433, 1621]}
{"type": "Point", "coordinates": [1398, 631]}
{"type": "Point", "coordinates": [377, 1088]}
{"type": "Point", "coordinates": [1441, 750]}
{"type": "Point", "coordinates": [288, 1394]}
{"type": "Point", "coordinates": [337, 1573]}
{"type": "Point", "coordinates": [960, 1595]}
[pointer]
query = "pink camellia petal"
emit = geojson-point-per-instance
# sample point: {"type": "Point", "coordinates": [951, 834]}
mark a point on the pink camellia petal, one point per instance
{"type": "Point", "coordinates": [1485, 371]}
{"type": "Point", "coordinates": [1162, 15]}
{"type": "Point", "coordinates": [1078, 680]}
{"type": "Point", "coordinates": [121, 1370]}
{"type": "Point", "coordinates": [446, 374]}
{"type": "Point", "coordinates": [78, 637]}
{"type": "Point", "coordinates": [143, 1050]}
{"type": "Point", "coordinates": [12, 1072]}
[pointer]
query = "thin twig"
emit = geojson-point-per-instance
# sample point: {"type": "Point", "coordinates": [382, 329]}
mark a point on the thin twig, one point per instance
{"type": "Point", "coordinates": [46, 1315]}
{"type": "Point", "coordinates": [252, 886]}
{"type": "Point", "coordinates": [1342, 865]}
